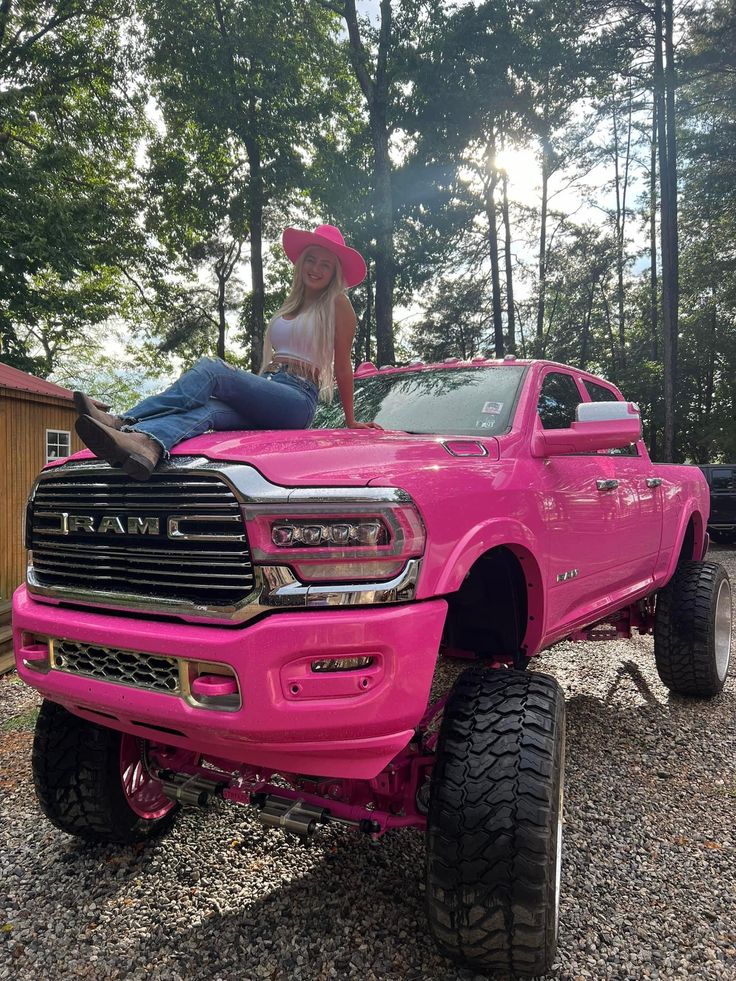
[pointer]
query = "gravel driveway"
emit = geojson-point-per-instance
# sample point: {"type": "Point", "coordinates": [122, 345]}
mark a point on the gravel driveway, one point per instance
{"type": "Point", "coordinates": [649, 861]}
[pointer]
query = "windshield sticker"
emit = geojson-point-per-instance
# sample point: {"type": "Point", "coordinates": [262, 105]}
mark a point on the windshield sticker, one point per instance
{"type": "Point", "coordinates": [493, 408]}
{"type": "Point", "coordinates": [485, 423]}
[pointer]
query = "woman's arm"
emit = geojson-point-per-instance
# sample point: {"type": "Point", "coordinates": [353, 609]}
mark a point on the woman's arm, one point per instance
{"type": "Point", "coordinates": [345, 323]}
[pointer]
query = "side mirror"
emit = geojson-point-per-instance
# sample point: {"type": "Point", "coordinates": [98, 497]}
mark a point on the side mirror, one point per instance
{"type": "Point", "coordinates": [598, 426]}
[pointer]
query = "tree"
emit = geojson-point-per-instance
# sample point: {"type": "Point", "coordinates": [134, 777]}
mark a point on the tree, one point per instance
{"type": "Point", "coordinates": [70, 118]}
{"type": "Point", "coordinates": [252, 79]}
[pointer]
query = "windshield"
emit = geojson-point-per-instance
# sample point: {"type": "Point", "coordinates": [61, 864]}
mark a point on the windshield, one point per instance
{"type": "Point", "coordinates": [457, 402]}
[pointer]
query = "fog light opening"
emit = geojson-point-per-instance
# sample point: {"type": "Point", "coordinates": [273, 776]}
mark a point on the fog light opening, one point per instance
{"type": "Point", "coordinates": [342, 663]}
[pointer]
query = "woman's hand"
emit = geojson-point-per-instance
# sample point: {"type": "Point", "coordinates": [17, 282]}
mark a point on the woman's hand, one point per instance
{"type": "Point", "coordinates": [363, 425]}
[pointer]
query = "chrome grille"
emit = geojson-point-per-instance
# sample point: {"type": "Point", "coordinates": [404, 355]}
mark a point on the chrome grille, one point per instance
{"type": "Point", "coordinates": [179, 536]}
{"type": "Point", "coordinates": [151, 671]}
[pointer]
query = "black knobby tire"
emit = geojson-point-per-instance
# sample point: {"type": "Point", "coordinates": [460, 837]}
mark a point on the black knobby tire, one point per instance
{"type": "Point", "coordinates": [77, 777]}
{"type": "Point", "coordinates": [692, 630]}
{"type": "Point", "coordinates": [495, 822]}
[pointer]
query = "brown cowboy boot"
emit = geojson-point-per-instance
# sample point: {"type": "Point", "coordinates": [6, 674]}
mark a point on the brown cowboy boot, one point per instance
{"type": "Point", "coordinates": [136, 453]}
{"type": "Point", "coordinates": [86, 407]}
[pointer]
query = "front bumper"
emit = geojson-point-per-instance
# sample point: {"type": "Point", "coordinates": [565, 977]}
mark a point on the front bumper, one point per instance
{"type": "Point", "coordinates": [291, 719]}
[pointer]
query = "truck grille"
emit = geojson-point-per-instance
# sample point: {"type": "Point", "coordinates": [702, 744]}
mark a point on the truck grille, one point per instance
{"type": "Point", "coordinates": [179, 536]}
{"type": "Point", "coordinates": [151, 671]}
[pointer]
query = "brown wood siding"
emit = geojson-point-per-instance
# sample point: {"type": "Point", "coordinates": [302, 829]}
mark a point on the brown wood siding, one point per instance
{"type": "Point", "coordinates": [24, 419]}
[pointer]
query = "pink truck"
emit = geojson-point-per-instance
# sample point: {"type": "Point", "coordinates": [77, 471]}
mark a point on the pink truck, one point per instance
{"type": "Point", "coordinates": [262, 620]}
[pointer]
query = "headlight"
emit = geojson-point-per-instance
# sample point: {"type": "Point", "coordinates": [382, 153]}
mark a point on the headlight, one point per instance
{"type": "Point", "coordinates": [332, 542]}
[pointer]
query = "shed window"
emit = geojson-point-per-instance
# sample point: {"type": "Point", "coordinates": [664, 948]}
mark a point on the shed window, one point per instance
{"type": "Point", "coordinates": [58, 444]}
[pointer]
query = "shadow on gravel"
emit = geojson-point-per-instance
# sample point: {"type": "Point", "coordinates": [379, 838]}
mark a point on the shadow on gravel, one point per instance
{"type": "Point", "coordinates": [357, 911]}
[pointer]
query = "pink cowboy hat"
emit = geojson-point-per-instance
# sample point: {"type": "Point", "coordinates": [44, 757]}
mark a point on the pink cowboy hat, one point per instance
{"type": "Point", "coordinates": [295, 241]}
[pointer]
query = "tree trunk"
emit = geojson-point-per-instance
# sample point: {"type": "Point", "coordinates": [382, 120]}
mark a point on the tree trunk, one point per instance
{"type": "Point", "coordinates": [375, 92]}
{"type": "Point", "coordinates": [255, 327]}
{"type": "Point", "coordinates": [586, 331]}
{"type": "Point", "coordinates": [363, 340]}
{"type": "Point", "coordinates": [546, 161]}
{"type": "Point", "coordinates": [384, 256]}
{"type": "Point", "coordinates": [223, 270]}
{"type": "Point", "coordinates": [653, 291]}
{"type": "Point", "coordinates": [664, 94]}
{"type": "Point", "coordinates": [621, 186]}
{"type": "Point", "coordinates": [609, 327]}
{"type": "Point", "coordinates": [221, 322]}
{"type": "Point", "coordinates": [490, 194]}
{"type": "Point", "coordinates": [510, 312]}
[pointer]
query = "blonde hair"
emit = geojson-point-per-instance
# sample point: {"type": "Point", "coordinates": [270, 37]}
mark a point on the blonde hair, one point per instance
{"type": "Point", "coordinates": [322, 317]}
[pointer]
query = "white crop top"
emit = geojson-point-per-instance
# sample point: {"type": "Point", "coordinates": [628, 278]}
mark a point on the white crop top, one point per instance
{"type": "Point", "coordinates": [294, 339]}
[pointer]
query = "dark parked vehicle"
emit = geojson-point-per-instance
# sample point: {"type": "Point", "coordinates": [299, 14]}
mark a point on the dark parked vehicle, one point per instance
{"type": "Point", "coordinates": [721, 479]}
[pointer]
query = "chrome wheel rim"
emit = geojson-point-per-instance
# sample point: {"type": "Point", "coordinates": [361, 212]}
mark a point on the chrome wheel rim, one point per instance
{"type": "Point", "coordinates": [723, 630]}
{"type": "Point", "coordinates": [143, 794]}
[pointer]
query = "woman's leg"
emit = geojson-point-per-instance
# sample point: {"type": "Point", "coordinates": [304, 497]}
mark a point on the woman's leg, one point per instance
{"type": "Point", "coordinates": [209, 378]}
{"type": "Point", "coordinates": [171, 428]}
{"type": "Point", "coordinates": [271, 405]}
{"type": "Point", "coordinates": [192, 389]}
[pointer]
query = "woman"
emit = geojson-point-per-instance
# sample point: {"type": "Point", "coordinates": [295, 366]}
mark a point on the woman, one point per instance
{"type": "Point", "coordinates": [307, 349]}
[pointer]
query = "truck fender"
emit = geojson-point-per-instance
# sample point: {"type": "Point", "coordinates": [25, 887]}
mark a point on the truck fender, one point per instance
{"type": "Point", "coordinates": [520, 542]}
{"type": "Point", "coordinates": [689, 514]}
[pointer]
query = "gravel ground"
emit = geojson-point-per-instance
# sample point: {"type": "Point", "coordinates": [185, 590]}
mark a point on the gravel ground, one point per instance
{"type": "Point", "coordinates": [649, 861]}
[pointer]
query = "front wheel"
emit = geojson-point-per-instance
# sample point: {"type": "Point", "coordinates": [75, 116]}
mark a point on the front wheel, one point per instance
{"type": "Point", "coordinates": [692, 630]}
{"type": "Point", "coordinates": [91, 782]}
{"type": "Point", "coordinates": [494, 829]}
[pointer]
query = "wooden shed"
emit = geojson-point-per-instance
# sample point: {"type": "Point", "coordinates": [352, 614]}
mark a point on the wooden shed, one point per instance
{"type": "Point", "coordinates": [36, 425]}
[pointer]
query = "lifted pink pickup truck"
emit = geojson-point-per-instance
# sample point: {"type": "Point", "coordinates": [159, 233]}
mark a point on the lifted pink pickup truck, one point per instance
{"type": "Point", "coordinates": [275, 603]}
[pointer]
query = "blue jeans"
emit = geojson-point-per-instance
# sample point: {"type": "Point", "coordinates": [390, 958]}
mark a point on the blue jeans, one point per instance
{"type": "Point", "coordinates": [214, 396]}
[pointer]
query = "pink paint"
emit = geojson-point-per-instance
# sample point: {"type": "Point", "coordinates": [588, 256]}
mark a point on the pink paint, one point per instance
{"type": "Point", "coordinates": [214, 686]}
{"type": "Point", "coordinates": [348, 733]}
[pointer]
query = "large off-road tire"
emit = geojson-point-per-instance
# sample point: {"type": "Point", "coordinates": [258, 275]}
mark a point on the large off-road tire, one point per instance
{"type": "Point", "coordinates": [90, 781]}
{"type": "Point", "coordinates": [494, 829]}
{"type": "Point", "coordinates": [692, 630]}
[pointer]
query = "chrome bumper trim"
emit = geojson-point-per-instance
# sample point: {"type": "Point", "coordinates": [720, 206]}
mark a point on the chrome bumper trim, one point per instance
{"type": "Point", "coordinates": [249, 486]}
{"type": "Point", "coordinates": [276, 588]}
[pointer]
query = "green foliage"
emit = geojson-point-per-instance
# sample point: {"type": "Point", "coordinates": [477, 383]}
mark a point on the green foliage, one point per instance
{"type": "Point", "coordinates": [70, 118]}
{"type": "Point", "coordinates": [243, 88]}
{"type": "Point", "coordinates": [170, 226]}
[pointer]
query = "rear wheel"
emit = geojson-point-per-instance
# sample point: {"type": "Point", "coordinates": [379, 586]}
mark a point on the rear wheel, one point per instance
{"type": "Point", "coordinates": [692, 630]}
{"type": "Point", "coordinates": [91, 782]}
{"type": "Point", "coordinates": [494, 829]}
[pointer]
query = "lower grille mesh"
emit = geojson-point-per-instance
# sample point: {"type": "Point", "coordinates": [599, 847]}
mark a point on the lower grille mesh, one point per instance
{"type": "Point", "coordinates": [150, 671]}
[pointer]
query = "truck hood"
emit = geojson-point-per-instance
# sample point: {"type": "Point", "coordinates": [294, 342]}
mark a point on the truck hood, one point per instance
{"type": "Point", "coordinates": [329, 457]}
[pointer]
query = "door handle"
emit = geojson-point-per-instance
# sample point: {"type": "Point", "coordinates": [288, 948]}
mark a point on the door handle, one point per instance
{"type": "Point", "coordinates": [606, 485]}
{"type": "Point", "coordinates": [654, 481]}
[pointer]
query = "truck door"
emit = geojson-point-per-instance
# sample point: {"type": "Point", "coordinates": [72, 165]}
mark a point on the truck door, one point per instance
{"type": "Point", "coordinates": [580, 510]}
{"type": "Point", "coordinates": [640, 500]}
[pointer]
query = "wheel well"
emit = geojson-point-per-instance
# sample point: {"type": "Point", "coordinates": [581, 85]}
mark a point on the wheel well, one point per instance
{"type": "Point", "coordinates": [688, 543]}
{"type": "Point", "coordinates": [488, 613]}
